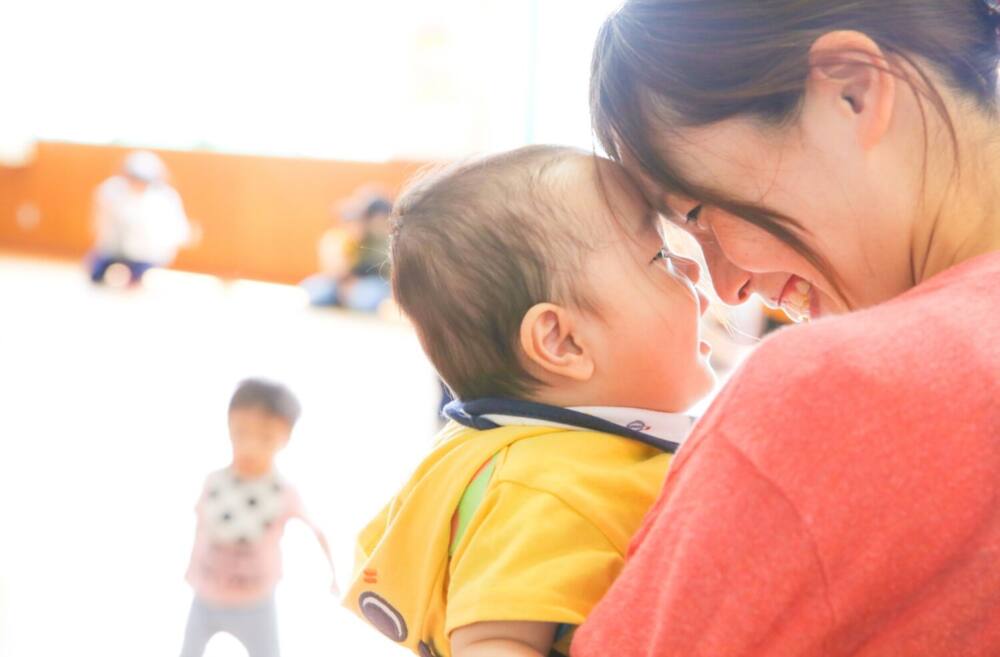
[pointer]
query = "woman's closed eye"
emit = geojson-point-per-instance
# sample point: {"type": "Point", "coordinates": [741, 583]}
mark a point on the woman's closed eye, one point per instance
{"type": "Point", "coordinates": [691, 218]}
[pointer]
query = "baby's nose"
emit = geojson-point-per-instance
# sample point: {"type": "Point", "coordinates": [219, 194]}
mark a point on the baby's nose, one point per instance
{"type": "Point", "coordinates": [689, 268]}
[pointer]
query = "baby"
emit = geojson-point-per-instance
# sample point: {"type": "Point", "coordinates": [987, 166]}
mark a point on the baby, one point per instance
{"type": "Point", "coordinates": [236, 561]}
{"type": "Point", "coordinates": [541, 289]}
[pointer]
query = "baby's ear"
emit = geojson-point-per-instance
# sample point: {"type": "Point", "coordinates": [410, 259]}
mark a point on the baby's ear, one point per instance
{"type": "Point", "coordinates": [550, 340]}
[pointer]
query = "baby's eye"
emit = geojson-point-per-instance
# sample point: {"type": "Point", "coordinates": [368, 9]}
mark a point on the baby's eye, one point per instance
{"type": "Point", "coordinates": [663, 254]}
{"type": "Point", "coordinates": [692, 216]}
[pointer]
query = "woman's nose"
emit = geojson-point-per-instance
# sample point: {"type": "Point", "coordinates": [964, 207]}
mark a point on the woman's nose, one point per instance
{"type": "Point", "coordinates": [731, 283]}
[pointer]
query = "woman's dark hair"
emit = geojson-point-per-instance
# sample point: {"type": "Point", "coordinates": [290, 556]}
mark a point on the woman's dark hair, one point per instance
{"type": "Point", "coordinates": [272, 398]}
{"type": "Point", "coordinates": [665, 64]}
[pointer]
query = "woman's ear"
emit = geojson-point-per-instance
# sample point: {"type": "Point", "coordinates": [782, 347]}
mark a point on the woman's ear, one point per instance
{"type": "Point", "coordinates": [550, 340]}
{"type": "Point", "coordinates": [850, 71]}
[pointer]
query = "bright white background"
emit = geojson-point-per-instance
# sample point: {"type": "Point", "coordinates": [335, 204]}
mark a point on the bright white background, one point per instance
{"type": "Point", "coordinates": [114, 410]}
{"type": "Point", "coordinates": [348, 80]}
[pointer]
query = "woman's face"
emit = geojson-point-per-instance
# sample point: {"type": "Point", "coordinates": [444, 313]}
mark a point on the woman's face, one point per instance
{"type": "Point", "coordinates": [852, 202]}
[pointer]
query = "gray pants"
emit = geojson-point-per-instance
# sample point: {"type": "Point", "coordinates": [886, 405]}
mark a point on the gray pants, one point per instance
{"type": "Point", "coordinates": [255, 626]}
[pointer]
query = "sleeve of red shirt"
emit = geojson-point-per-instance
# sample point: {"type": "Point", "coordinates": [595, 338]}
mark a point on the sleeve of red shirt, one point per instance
{"type": "Point", "coordinates": [726, 579]}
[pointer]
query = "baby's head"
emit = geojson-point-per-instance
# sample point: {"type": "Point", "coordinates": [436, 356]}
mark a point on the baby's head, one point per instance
{"type": "Point", "coordinates": [261, 417]}
{"type": "Point", "coordinates": [541, 274]}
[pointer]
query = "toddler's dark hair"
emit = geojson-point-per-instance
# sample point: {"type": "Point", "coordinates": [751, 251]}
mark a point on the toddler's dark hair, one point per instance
{"type": "Point", "coordinates": [271, 397]}
{"type": "Point", "coordinates": [474, 246]}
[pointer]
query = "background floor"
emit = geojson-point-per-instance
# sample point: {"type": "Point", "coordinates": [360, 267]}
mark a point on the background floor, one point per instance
{"type": "Point", "coordinates": [114, 409]}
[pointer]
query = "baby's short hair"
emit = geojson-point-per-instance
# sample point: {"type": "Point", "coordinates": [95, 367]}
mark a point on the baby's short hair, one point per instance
{"type": "Point", "coordinates": [271, 397]}
{"type": "Point", "coordinates": [474, 246]}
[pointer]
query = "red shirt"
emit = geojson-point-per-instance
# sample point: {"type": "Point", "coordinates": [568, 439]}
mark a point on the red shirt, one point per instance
{"type": "Point", "coordinates": [841, 497]}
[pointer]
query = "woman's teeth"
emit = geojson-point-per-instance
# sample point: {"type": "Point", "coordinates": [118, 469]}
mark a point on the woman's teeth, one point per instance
{"type": "Point", "coordinates": [796, 302]}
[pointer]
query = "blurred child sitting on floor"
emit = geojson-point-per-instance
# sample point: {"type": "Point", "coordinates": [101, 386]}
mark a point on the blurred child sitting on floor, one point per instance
{"type": "Point", "coordinates": [138, 218]}
{"type": "Point", "coordinates": [352, 256]}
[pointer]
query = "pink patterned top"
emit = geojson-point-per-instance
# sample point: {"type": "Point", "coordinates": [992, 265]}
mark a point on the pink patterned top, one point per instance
{"type": "Point", "coordinates": [236, 559]}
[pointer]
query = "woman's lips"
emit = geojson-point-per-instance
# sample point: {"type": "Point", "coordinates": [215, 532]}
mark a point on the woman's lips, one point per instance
{"type": "Point", "coordinates": [798, 299]}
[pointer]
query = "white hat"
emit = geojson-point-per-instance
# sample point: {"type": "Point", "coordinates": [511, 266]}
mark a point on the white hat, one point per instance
{"type": "Point", "coordinates": [144, 166]}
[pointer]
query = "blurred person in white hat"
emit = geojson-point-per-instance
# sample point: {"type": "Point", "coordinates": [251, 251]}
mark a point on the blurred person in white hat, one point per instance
{"type": "Point", "coordinates": [139, 219]}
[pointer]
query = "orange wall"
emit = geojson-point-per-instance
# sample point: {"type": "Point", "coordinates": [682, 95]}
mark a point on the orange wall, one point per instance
{"type": "Point", "coordinates": [261, 216]}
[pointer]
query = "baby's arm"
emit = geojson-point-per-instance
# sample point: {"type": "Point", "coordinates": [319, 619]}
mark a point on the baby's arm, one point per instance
{"type": "Point", "coordinates": [329, 559]}
{"type": "Point", "coordinates": [503, 639]}
{"type": "Point", "coordinates": [298, 511]}
{"type": "Point", "coordinates": [325, 546]}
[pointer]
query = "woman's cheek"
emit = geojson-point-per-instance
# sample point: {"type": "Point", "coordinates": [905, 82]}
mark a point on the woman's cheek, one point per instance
{"type": "Point", "coordinates": [744, 244]}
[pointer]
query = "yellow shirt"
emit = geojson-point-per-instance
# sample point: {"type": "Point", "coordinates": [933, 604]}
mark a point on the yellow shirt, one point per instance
{"type": "Point", "coordinates": [545, 543]}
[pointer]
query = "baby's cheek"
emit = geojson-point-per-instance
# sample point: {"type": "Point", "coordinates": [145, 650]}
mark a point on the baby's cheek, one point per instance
{"type": "Point", "coordinates": [651, 358]}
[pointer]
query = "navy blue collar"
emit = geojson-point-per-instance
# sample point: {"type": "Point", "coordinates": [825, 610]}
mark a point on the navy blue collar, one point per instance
{"type": "Point", "coordinates": [476, 415]}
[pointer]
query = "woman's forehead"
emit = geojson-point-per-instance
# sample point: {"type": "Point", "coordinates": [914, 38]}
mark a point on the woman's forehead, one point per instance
{"type": "Point", "coordinates": [625, 189]}
{"type": "Point", "coordinates": [603, 195]}
{"type": "Point", "coordinates": [713, 157]}
{"type": "Point", "coordinates": [651, 190]}
{"type": "Point", "coordinates": [659, 201]}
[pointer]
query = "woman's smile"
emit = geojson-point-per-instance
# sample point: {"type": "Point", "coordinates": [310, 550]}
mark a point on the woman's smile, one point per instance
{"type": "Point", "coordinates": [799, 299]}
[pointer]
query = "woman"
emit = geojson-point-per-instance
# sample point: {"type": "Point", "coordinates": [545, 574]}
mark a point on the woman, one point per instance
{"type": "Point", "coordinates": [841, 159]}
